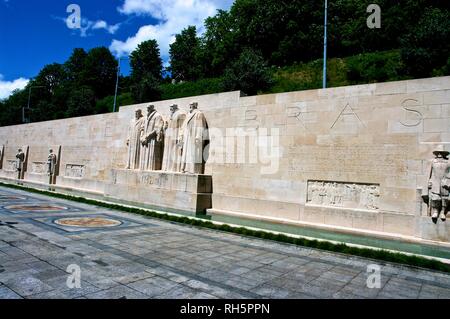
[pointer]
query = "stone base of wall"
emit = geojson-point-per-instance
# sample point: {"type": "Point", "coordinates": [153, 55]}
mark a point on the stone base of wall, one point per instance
{"type": "Point", "coordinates": [371, 221]}
{"type": "Point", "coordinates": [81, 183]}
{"type": "Point", "coordinates": [8, 174]}
{"type": "Point", "coordinates": [40, 178]}
{"type": "Point", "coordinates": [427, 229]}
{"type": "Point", "coordinates": [163, 190]}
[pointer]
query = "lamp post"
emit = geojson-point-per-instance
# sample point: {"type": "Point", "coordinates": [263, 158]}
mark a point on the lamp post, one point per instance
{"type": "Point", "coordinates": [29, 101]}
{"type": "Point", "coordinates": [325, 47]}
{"type": "Point", "coordinates": [117, 82]}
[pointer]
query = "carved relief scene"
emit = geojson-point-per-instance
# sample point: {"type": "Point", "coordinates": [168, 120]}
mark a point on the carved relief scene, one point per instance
{"type": "Point", "coordinates": [74, 171]}
{"type": "Point", "coordinates": [345, 195]}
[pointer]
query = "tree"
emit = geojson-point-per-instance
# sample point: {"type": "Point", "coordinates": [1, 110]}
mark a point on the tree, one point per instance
{"type": "Point", "coordinates": [75, 66]}
{"type": "Point", "coordinates": [81, 102]}
{"type": "Point", "coordinates": [50, 77]}
{"type": "Point", "coordinates": [427, 46]}
{"type": "Point", "coordinates": [185, 56]}
{"type": "Point", "coordinates": [100, 70]}
{"type": "Point", "coordinates": [147, 89]}
{"type": "Point", "coordinates": [219, 47]}
{"type": "Point", "coordinates": [146, 71]}
{"type": "Point", "coordinates": [249, 73]}
{"type": "Point", "coordinates": [146, 60]}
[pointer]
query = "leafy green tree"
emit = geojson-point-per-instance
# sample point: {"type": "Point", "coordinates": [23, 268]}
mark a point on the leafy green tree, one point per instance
{"type": "Point", "coordinates": [185, 56]}
{"type": "Point", "coordinates": [147, 89]}
{"type": "Point", "coordinates": [50, 77]}
{"type": "Point", "coordinates": [146, 72]}
{"type": "Point", "coordinates": [146, 60]}
{"type": "Point", "coordinates": [427, 47]}
{"type": "Point", "coordinates": [75, 66]}
{"type": "Point", "coordinates": [219, 47]}
{"type": "Point", "coordinates": [11, 113]}
{"type": "Point", "coordinates": [249, 73]}
{"type": "Point", "coordinates": [81, 102]}
{"type": "Point", "coordinates": [100, 71]}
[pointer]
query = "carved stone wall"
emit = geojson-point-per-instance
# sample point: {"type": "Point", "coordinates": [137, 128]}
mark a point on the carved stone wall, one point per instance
{"type": "Point", "coordinates": [379, 137]}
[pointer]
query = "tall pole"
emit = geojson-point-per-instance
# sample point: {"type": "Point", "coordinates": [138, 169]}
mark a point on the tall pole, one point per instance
{"type": "Point", "coordinates": [325, 47]}
{"type": "Point", "coordinates": [29, 100]}
{"type": "Point", "coordinates": [117, 85]}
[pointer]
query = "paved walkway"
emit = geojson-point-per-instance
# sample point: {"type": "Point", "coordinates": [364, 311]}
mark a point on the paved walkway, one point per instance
{"type": "Point", "coordinates": [137, 257]}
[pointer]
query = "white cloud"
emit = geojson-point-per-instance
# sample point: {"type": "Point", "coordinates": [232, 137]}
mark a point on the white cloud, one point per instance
{"type": "Point", "coordinates": [101, 24]}
{"type": "Point", "coordinates": [87, 25]}
{"type": "Point", "coordinates": [7, 87]}
{"type": "Point", "coordinates": [173, 16]}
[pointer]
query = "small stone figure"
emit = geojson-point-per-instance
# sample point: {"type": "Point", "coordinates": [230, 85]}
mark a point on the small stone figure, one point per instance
{"type": "Point", "coordinates": [51, 166]}
{"type": "Point", "coordinates": [51, 163]}
{"type": "Point", "coordinates": [134, 140]}
{"type": "Point", "coordinates": [20, 159]}
{"type": "Point", "coordinates": [172, 147]}
{"type": "Point", "coordinates": [439, 185]}
{"type": "Point", "coordinates": [152, 142]}
{"type": "Point", "coordinates": [194, 139]}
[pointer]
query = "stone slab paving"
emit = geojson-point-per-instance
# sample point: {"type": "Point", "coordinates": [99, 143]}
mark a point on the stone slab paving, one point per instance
{"type": "Point", "coordinates": [147, 258]}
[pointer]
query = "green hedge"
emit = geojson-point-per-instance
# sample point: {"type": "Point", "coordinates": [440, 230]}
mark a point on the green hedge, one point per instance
{"type": "Point", "coordinates": [185, 89]}
{"type": "Point", "coordinates": [382, 255]}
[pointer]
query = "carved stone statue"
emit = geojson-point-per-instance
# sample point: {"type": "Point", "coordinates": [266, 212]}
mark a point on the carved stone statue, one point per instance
{"type": "Point", "coordinates": [134, 140]}
{"type": "Point", "coordinates": [172, 147]}
{"type": "Point", "coordinates": [51, 163]}
{"type": "Point", "coordinates": [20, 159]}
{"type": "Point", "coordinates": [152, 141]}
{"type": "Point", "coordinates": [439, 185]}
{"type": "Point", "coordinates": [194, 139]}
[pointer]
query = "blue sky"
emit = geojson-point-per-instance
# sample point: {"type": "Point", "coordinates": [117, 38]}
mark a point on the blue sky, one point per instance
{"type": "Point", "coordinates": [35, 33]}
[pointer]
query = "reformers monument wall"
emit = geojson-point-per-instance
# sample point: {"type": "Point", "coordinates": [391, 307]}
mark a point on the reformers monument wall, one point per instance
{"type": "Point", "coordinates": [354, 159]}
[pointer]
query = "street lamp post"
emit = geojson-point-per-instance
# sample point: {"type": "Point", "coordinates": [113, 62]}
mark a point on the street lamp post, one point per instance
{"type": "Point", "coordinates": [117, 82]}
{"type": "Point", "coordinates": [325, 47]}
{"type": "Point", "coordinates": [29, 100]}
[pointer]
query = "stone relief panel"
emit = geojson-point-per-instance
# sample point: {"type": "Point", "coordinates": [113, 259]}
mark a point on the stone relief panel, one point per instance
{"type": "Point", "coordinates": [345, 195]}
{"type": "Point", "coordinates": [11, 166]}
{"type": "Point", "coordinates": [74, 171]}
{"type": "Point", "coordinates": [39, 168]}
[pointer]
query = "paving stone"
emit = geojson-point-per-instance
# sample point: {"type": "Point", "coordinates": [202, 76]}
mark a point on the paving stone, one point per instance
{"type": "Point", "coordinates": [118, 292]}
{"type": "Point", "coordinates": [165, 260]}
{"type": "Point", "coordinates": [6, 293]}
{"type": "Point", "coordinates": [153, 286]}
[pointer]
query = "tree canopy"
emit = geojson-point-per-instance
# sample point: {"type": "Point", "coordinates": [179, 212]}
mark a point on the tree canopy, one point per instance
{"type": "Point", "coordinates": [242, 48]}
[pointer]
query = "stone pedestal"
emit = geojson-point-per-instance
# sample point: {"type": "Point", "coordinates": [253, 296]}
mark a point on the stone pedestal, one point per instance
{"type": "Point", "coordinates": [175, 192]}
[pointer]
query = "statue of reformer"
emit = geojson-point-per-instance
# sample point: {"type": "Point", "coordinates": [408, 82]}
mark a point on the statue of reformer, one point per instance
{"type": "Point", "coordinates": [134, 140]}
{"type": "Point", "coordinates": [194, 139]}
{"type": "Point", "coordinates": [172, 146]}
{"type": "Point", "coordinates": [152, 141]}
{"type": "Point", "coordinates": [439, 185]}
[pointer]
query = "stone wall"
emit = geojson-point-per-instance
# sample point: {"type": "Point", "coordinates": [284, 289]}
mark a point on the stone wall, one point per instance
{"type": "Point", "coordinates": [350, 158]}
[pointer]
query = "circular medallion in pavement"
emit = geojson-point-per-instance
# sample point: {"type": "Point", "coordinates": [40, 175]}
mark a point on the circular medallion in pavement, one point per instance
{"type": "Point", "coordinates": [36, 208]}
{"type": "Point", "coordinates": [88, 222]}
